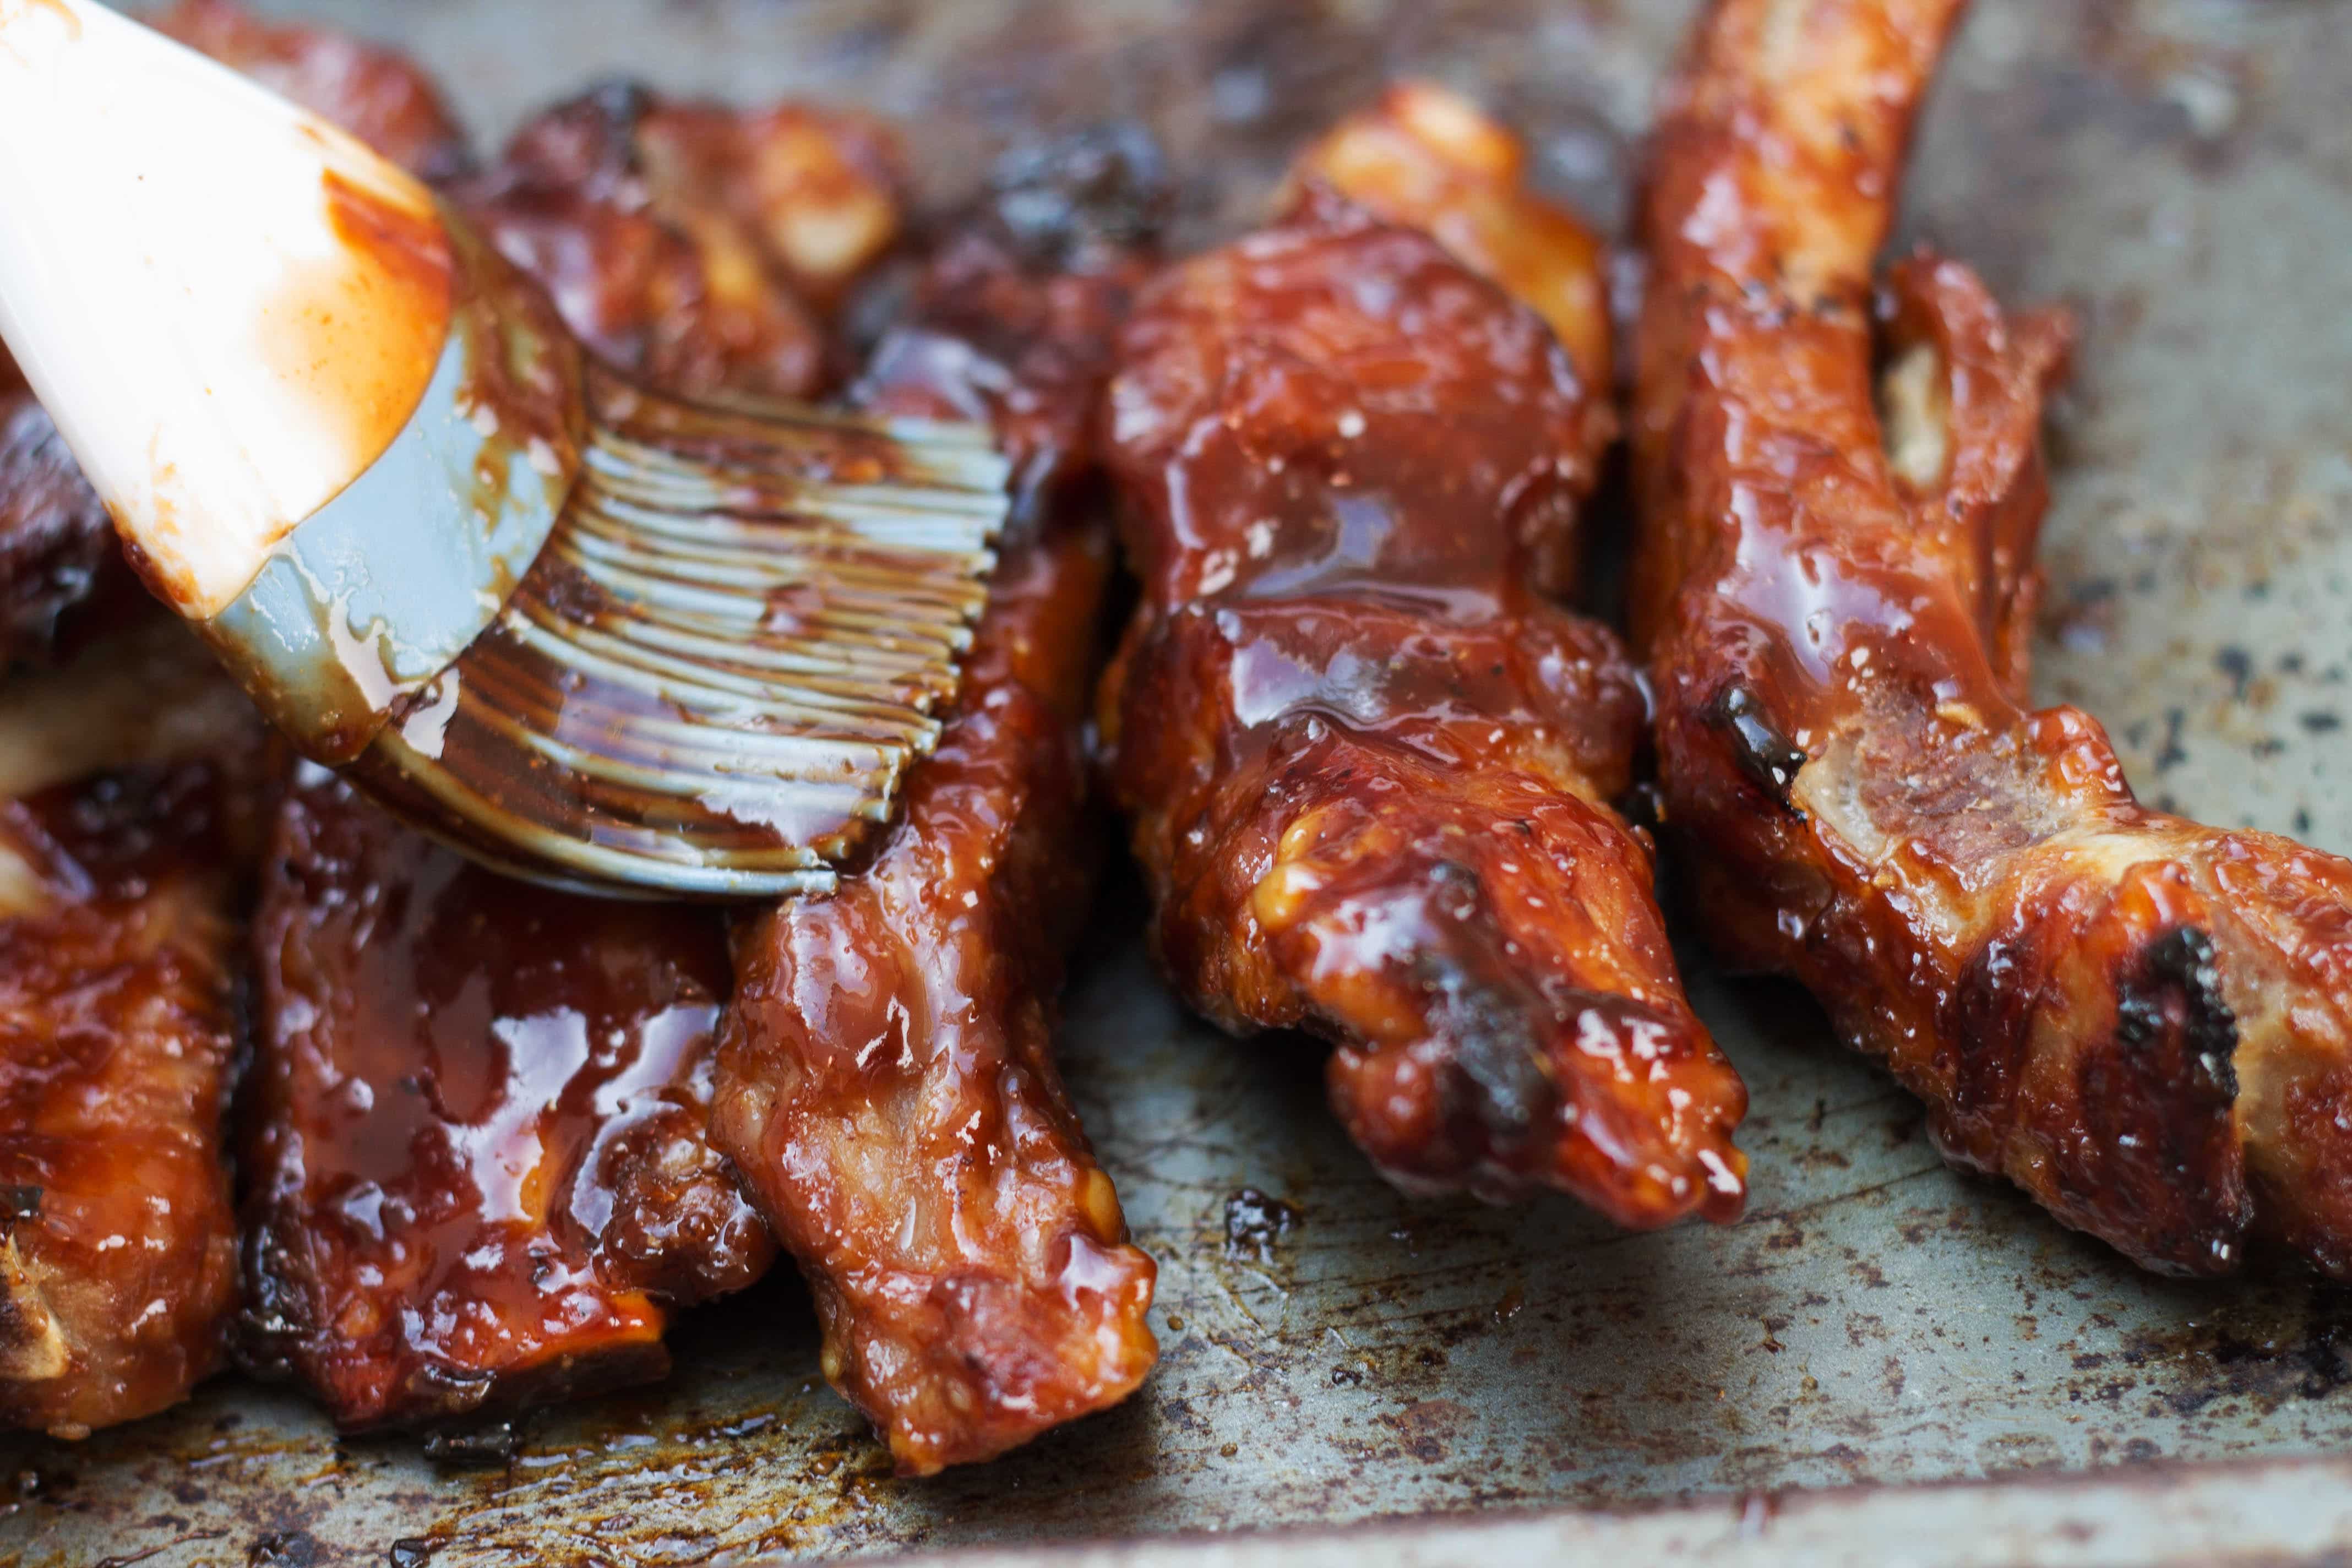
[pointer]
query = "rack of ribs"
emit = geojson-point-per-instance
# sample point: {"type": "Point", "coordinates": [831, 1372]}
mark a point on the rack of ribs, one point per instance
{"type": "Point", "coordinates": [2140, 1020]}
{"type": "Point", "coordinates": [1368, 767]}
{"type": "Point", "coordinates": [887, 1085]}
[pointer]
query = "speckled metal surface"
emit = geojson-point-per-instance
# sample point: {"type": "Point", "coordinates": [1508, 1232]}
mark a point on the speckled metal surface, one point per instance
{"type": "Point", "coordinates": [2182, 171]}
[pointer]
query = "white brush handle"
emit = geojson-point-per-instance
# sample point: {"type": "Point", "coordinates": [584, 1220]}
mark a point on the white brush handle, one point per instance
{"type": "Point", "coordinates": [230, 307]}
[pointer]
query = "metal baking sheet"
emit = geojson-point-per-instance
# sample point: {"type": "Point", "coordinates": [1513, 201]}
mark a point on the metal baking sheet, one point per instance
{"type": "Point", "coordinates": [2181, 171]}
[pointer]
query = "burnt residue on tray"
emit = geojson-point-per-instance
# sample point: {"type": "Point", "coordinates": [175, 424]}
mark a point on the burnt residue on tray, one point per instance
{"type": "Point", "coordinates": [1254, 1223]}
{"type": "Point", "coordinates": [2232, 1357]}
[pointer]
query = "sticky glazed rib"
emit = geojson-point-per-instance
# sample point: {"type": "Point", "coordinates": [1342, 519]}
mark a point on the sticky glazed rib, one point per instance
{"type": "Point", "coordinates": [1367, 768]}
{"type": "Point", "coordinates": [887, 1083]}
{"type": "Point", "coordinates": [2141, 1021]}
{"type": "Point", "coordinates": [123, 837]}
{"type": "Point", "coordinates": [697, 246]}
{"type": "Point", "coordinates": [478, 1163]}
{"type": "Point", "coordinates": [481, 1174]}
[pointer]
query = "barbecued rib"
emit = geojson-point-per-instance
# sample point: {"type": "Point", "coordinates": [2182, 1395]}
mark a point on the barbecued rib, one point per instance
{"type": "Point", "coordinates": [695, 246]}
{"type": "Point", "coordinates": [480, 1173]}
{"type": "Point", "coordinates": [478, 1168]}
{"type": "Point", "coordinates": [1368, 767]}
{"type": "Point", "coordinates": [2146, 1023]}
{"type": "Point", "coordinates": [127, 781]}
{"type": "Point", "coordinates": [887, 1083]}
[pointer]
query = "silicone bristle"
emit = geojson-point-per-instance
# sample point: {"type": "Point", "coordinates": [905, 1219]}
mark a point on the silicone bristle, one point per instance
{"type": "Point", "coordinates": [744, 628]}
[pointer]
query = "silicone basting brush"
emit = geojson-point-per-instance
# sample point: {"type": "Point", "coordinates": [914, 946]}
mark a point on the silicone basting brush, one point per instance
{"type": "Point", "coordinates": [590, 633]}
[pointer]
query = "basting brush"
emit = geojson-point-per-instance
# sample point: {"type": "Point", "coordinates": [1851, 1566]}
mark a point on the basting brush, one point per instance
{"type": "Point", "coordinates": [584, 632]}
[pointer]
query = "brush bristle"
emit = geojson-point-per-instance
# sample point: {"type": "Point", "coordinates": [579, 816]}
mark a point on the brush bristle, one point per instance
{"type": "Point", "coordinates": [746, 625]}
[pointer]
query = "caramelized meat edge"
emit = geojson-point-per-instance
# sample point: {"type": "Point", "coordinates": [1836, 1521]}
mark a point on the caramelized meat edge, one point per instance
{"type": "Point", "coordinates": [129, 776]}
{"type": "Point", "coordinates": [887, 1082]}
{"type": "Point", "coordinates": [2140, 1020]}
{"type": "Point", "coordinates": [1366, 767]}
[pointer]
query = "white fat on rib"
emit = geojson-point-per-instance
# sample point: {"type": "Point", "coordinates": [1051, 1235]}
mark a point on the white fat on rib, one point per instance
{"type": "Point", "coordinates": [1915, 410]}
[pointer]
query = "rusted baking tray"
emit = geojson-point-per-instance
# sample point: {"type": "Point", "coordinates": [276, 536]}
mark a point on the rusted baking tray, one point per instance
{"type": "Point", "coordinates": [2178, 170]}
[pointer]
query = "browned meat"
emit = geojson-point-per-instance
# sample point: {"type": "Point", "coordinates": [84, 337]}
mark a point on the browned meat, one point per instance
{"type": "Point", "coordinates": [694, 246]}
{"type": "Point", "coordinates": [119, 1269]}
{"type": "Point", "coordinates": [380, 97]}
{"type": "Point", "coordinates": [118, 1025]}
{"type": "Point", "coordinates": [1369, 770]}
{"type": "Point", "coordinates": [479, 1167]}
{"type": "Point", "coordinates": [1427, 159]}
{"type": "Point", "coordinates": [2144, 1022]}
{"type": "Point", "coordinates": [887, 1086]}
{"type": "Point", "coordinates": [818, 193]}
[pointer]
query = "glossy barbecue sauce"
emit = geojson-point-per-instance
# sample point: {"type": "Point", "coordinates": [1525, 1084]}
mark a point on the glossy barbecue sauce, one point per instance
{"type": "Point", "coordinates": [665, 233]}
{"type": "Point", "coordinates": [118, 1271]}
{"type": "Point", "coordinates": [423, 285]}
{"type": "Point", "coordinates": [1354, 524]}
{"type": "Point", "coordinates": [360, 338]}
{"type": "Point", "coordinates": [1366, 764]}
{"type": "Point", "coordinates": [479, 1163]}
{"type": "Point", "coordinates": [888, 1087]}
{"type": "Point", "coordinates": [509, 677]}
{"type": "Point", "coordinates": [479, 1170]}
